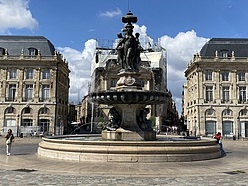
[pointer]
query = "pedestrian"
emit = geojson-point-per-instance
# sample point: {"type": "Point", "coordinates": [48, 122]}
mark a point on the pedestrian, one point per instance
{"type": "Point", "coordinates": [218, 138]}
{"type": "Point", "coordinates": [9, 139]}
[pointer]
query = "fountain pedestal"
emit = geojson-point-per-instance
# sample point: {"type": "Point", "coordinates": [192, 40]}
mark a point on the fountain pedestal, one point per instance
{"type": "Point", "coordinates": [126, 135]}
{"type": "Point", "coordinates": [129, 128]}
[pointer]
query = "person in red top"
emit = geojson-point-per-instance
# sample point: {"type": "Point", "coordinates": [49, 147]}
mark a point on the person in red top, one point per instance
{"type": "Point", "coordinates": [218, 138]}
{"type": "Point", "coordinates": [9, 137]}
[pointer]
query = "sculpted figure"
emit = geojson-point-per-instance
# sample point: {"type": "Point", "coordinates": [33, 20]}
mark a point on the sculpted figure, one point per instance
{"type": "Point", "coordinates": [143, 122]}
{"type": "Point", "coordinates": [129, 49]}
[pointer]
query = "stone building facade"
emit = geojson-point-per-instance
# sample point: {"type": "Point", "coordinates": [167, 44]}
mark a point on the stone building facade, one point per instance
{"type": "Point", "coordinates": [215, 93]}
{"type": "Point", "coordinates": [34, 86]}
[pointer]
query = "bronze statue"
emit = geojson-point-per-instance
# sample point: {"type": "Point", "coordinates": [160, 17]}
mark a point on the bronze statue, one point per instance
{"type": "Point", "coordinates": [129, 47]}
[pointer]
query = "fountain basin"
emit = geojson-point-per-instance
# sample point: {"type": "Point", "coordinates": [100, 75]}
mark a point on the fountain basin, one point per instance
{"type": "Point", "coordinates": [128, 97]}
{"type": "Point", "coordinates": [161, 150]}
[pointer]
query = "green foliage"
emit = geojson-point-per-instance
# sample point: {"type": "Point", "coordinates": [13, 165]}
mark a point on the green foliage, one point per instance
{"type": "Point", "coordinates": [102, 119]}
{"type": "Point", "coordinates": [153, 121]}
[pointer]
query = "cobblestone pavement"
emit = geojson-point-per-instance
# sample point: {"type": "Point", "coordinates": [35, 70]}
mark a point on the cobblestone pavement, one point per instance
{"type": "Point", "coordinates": [25, 167]}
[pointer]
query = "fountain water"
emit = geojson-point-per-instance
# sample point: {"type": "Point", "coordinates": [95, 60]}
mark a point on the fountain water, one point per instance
{"type": "Point", "coordinates": [128, 136]}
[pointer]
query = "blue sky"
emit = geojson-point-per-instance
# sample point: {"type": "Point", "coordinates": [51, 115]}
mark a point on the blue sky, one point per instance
{"type": "Point", "coordinates": [182, 26]}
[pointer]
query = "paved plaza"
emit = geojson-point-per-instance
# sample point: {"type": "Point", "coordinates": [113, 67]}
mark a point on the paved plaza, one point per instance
{"type": "Point", "coordinates": [25, 167]}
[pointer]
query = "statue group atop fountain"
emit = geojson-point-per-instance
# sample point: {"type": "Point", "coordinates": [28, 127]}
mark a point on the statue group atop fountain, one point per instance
{"type": "Point", "coordinates": [129, 49]}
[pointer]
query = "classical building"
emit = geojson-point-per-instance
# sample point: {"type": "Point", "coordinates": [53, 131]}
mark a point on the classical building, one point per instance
{"type": "Point", "coordinates": [215, 93]}
{"type": "Point", "coordinates": [34, 86]}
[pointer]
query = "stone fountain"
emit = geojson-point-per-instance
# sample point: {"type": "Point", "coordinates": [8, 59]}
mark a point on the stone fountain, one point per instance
{"type": "Point", "coordinates": [128, 136]}
{"type": "Point", "coordinates": [128, 100]}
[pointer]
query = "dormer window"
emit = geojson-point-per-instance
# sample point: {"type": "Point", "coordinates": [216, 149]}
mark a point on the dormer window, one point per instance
{"type": "Point", "coordinates": [32, 52]}
{"type": "Point", "coordinates": [224, 53]}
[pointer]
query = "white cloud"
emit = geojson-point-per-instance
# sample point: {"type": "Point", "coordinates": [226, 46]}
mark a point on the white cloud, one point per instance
{"type": "Point", "coordinates": [180, 51]}
{"type": "Point", "coordinates": [16, 14]}
{"type": "Point", "coordinates": [79, 65]}
{"type": "Point", "coordinates": [111, 14]}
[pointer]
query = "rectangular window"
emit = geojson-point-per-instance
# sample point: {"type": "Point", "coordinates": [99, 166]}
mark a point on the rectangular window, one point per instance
{"type": "Point", "coordinates": [29, 74]}
{"type": "Point", "coordinates": [46, 74]}
{"type": "Point", "coordinates": [209, 93]}
{"type": "Point", "coordinates": [45, 92]}
{"type": "Point", "coordinates": [225, 76]}
{"type": "Point", "coordinates": [29, 92]}
{"type": "Point", "coordinates": [32, 51]}
{"type": "Point", "coordinates": [242, 93]}
{"type": "Point", "coordinates": [225, 94]}
{"type": "Point", "coordinates": [12, 92]}
{"type": "Point", "coordinates": [12, 74]}
{"type": "Point", "coordinates": [208, 76]}
{"type": "Point", "coordinates": [241, 76]}
{"type": "Point", "coordinates": [113, 83]}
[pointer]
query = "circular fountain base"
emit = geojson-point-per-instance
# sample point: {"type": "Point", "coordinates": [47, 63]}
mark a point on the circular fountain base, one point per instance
{"type": "Point", "coordinates": [164, 149]}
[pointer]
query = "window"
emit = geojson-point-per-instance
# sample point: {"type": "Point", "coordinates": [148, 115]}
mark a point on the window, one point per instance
{"type": "Point", "coordinates": [44, 110]}
{"type": "Point", "coordinates": [12, 92]}
{"type": "Point", "coordinates": [224, 53]}
{"type": "Point", "coordinates": [29, 92]}
{"type": "Point", "coordinates": [113, 83]}
{"type": "Point", "coordinates": [225, 76]}
{"type": "Point", "coordinates": [12, 74]}
{"type": "Point", "coordinates": [45, 74]}
{"type": "Point", "coordinates": [32, 52]}
{"type": "Point", "coordinates": [45, 92]}
{"type": "Point", "coordinates": [225, 94]}
{"type": "Point", "coordinates": [242, 93]}
{"type": "Point", "coordinates": [208, 76]}
{"type": "Point", "coordinates": [243, 112]}
{"type": "Point", "coordinates": [27, 122]}
{"type": "Point", "coordinates": [10, 110]}
{"type": "Point", "coordinates": [26, 110]}
{"type": "Point", "coordinates": [29, 74]}
{"type": "Point", "coordinates": [227, 127]}
{"type": "Point", "coordinates": [210, 112]}
{"type": "Point", "coordinates": [227, 112]}
{"type": "Point", "coordinates": [241, 76]}
{"type": "Point", "coordinates": [209, 93]}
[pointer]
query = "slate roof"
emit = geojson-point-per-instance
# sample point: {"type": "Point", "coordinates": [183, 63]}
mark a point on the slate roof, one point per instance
{"type": "Point", "coordinates": [238, 45]}
{"type": "Point", "coordinates": [14, 44]}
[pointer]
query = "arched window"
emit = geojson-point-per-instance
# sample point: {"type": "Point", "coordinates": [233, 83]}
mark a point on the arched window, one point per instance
{"type": "Point", "coordinates": [210, 112]}
{"type": "Point", "coordinates": [26, 110]}
{"type": "Point", "coordinates": [227, 112]}
{"type": "Point", "coordinates": [243, 112]}
{"type": "Point", "coordinates": [10, 110]}
{"type": "Point", "coordinates": [44, 110]}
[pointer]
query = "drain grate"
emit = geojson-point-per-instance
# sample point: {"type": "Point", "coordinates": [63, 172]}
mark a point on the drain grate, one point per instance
{"type": "Point", "coordinates": [24, 170]}
{"type": "Point", "coordinates": [235, 172]}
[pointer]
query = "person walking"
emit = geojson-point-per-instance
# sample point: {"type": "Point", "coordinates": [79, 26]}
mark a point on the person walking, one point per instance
{"type": "Point", "coordinates": [9, 139]}
{"type": "Point", "coordinates": [218, 138]}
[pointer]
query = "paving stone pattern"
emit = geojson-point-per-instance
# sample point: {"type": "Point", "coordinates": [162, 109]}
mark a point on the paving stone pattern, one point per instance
{"type": "Point", "coordinates": [25, 167]}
